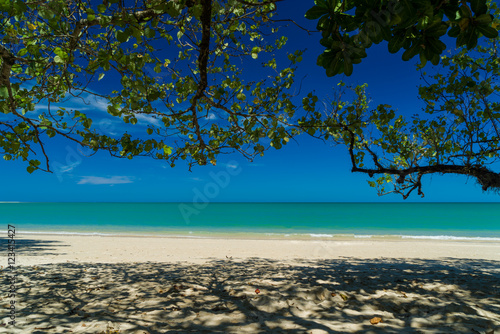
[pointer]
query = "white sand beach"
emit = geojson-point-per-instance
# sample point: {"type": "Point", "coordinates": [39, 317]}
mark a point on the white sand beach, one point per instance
{"type": "Point", "coordinates": [95, 284]}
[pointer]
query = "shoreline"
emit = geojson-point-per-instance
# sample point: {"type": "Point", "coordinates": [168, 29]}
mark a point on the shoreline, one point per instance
{"type": "Point", "coordinates": [45, 249]}
{"type": "Point", "coordinates": [260, 235]}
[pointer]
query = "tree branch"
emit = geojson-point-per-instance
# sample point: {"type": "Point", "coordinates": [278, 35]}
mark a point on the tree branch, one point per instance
{"type": "Point", "coordinates": [204, 52]}
{"type": "Point", "coordinates": [249, 3]}
{"type": "Point", "coordinates": [486, 178]}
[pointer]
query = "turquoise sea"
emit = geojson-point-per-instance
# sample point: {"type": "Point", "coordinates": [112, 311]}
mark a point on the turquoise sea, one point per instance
{"type": "Point", "coordinates": [267, 220]}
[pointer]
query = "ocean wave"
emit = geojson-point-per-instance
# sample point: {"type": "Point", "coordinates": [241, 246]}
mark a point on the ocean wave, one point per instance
{"type": "Point", "coordinates": [448, 237]}
{"type": "Point", "coordinates": [382, 236]}
{"type": "Point", "coordinates": [327, 236]}
{"type": "Point", "coordinates": [314, 235]}
{"type": "Point", "coordinates": [67, 233]}
{"type": "Point", "coordinates": [116, 234]}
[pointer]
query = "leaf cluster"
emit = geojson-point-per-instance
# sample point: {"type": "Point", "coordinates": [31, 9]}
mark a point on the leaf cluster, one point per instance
{"type": "Point", "coordinates": [418, 27]}
{"type": "Point", "coordinates": [179, 70]}
{"type": "Point", "coordinates": [457, 131]}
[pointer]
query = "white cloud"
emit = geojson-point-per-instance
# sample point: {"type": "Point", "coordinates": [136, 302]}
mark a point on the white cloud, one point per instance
{"type": "Point", "coordinates": [231, 164]}
{"type": "Point", "coordinates": [87, 102]}
{"type": "Point", "coordinates": [100, 104]}
{"type": "Point", "coordinates": [211, 116]}
{"type": "Point", "coordinates": [42, 107]}
{"type": "Point", "coordinates": [67, 168]}
{"type": "Point", "coordinates": [141, 118]}
{"type": "Point", "coordinates": [105, 180]}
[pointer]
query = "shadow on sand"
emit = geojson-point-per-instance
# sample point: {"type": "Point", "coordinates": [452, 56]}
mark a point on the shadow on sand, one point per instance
{"type": "Point", "coordinates": [259, 296]}
{"type": "Point", "coordinates": [33, 247]}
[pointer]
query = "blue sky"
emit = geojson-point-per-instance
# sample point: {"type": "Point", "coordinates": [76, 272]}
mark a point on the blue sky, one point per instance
{"type": "Point", "coordinates": [304, 170]}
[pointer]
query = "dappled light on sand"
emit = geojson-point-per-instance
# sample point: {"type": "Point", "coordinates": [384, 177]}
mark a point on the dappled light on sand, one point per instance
{"type": "Point", "coordinates": [258, 295]}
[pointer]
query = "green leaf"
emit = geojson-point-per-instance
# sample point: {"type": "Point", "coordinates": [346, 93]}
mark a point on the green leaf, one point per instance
{"type": "Point", "coordinates": [196, 11]}
{"type": "Point", "coordinates": [30, 169]}
{"type": "Point", "coordinates": [469, 38]}
{"type": "Point", "coordinates": [4, 92]}
{"type": "Point", "coordinates": [465, 12]}
{"type": "Point", "coordinates": [488, 32]}
{"type": "Point", "coordinates": [437, 30]}
{"type": "Point", "coordinates": [423, 60]}
{"type": "Point", "coordinates": [408, 10]}
{"type": "Point", "coordinates": [411, 52]}
{"type": "Point", "coordinates": [22, 52]}
{"type": "Point", "coordinates": [157, 68]}
{"type": "Point", "coordinates": [324, 3]}
{"type": "Point", "coordinates": [149, 33]}
{"type": "Point", "coordinates": [454, 31]}
{"type": "Point", "coordinates": [435, 59]}
{"type": "Point", "coordinates": [478, 6]}
{"type": "Point", "coordinates": [435, 45]}
{"type": "Point", "coordinates": [149, 131]}
{"type": "Point", "coordinates": [396, 43]}
{"type": "Point", "coordinates": [255, 52]}
{"type": "Point", "coordinates": [87, 123]}
{"type": "Point", "coordinates": [173, 8]}
{"type": "Point", "coordinates": [101, 8]}
{"type": "Point", "coordinates": [90, 15]}
{"type": "Point", "coordinates": [122, 36]}
{"type": "Point", "coordinates": [316, 12]}
{"type": "Point", "coordinates": [101, 75]}
{"type": "Point", "coordinates": [46, 13]}
{"type": "Point", "coordinates": [167, 150]}
{"type": "Point", "coordinates": [348, 68]}
{"type": "Point", "coordinates": [335, 66]}
{"type": "Point", "coordinates": [484, 19]}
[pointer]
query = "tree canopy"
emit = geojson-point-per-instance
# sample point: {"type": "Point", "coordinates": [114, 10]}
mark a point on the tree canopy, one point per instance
{"type": "Point", "coordinates": [349, 27]}
{"type": "Point", "coordinates": [179, 64]}
{"type": "Point", "coordinates": [203, 78]}
{"type": "Point", "coordinates": [457, 132]}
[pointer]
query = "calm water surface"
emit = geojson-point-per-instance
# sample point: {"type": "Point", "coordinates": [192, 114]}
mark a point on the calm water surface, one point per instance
{"type": "Point", "coordinates": [435, 220]}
